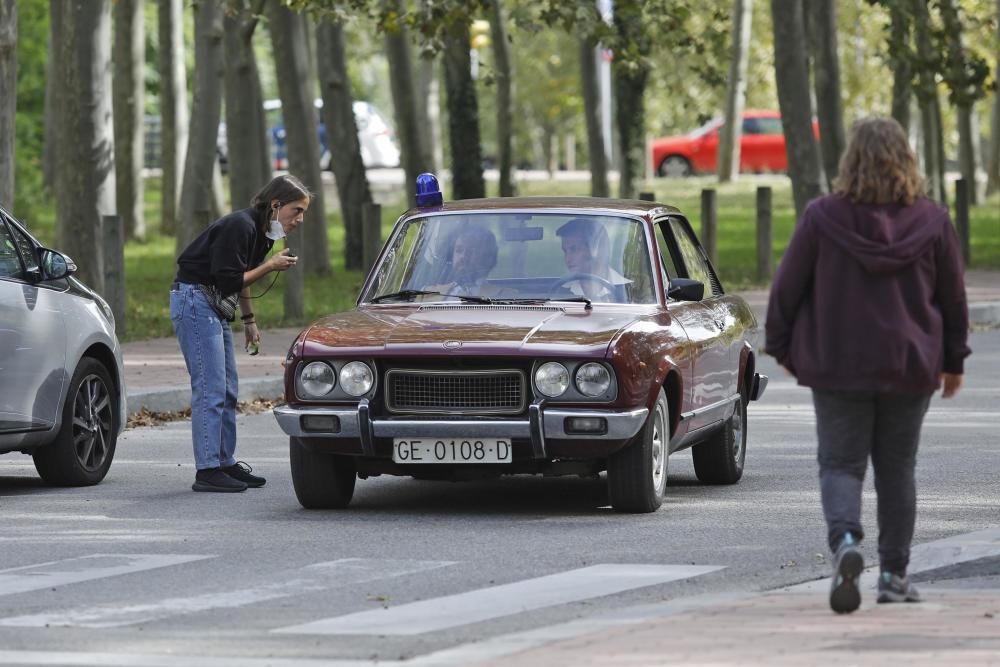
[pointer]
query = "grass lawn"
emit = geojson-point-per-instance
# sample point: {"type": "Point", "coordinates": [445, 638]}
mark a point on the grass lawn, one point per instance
{"type": "Point", "coordinates": [149, 265]}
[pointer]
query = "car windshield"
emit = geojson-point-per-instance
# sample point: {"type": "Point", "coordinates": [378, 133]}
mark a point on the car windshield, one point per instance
{"type": "Point", "coordinates": [516, 257]}
{"type": "Point", "coordinates": [713, 124]}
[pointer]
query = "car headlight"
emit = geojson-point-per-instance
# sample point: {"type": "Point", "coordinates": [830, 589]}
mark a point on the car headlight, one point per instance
{"type": "Point", "coordinates": [592, 379]}
{"type": "Point", "coordinates": [552, 379]}
{"type": "Point", "coordinates": [317, 379]}
{"type": "Point", "coordinates": [356, 378]}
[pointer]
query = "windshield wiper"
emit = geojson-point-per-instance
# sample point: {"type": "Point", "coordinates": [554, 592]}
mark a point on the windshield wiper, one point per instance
{"type": "Point", "coordinates": [468, 298]}
{"type": "Point", "coordinates": [408, 294]}
{"type": "Point", "coordinates": [577, 299]}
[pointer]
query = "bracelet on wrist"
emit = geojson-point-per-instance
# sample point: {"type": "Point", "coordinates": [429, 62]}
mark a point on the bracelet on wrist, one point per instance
{"type": "Point", "coordinates": [247, 316]}
{"type": "Point", "coordinates": [247, 323]}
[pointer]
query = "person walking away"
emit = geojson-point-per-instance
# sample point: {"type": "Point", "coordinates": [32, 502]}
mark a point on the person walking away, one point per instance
{"type": "Point", "coordinates": [868, 309]}
{"type": "Point", "coordinates": [215, 270]}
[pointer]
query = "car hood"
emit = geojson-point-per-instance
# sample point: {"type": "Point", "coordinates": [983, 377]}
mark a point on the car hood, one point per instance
{"type": "Point", "coordinates": [469, 329]}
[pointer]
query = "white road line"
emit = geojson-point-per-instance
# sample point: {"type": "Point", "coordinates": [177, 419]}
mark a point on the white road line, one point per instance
{"type": "Point", "coordinates": [496, 601]}
{"type": "Point", "coordinates": [927, 556]}
{"type": "Point", "coordinates": [84, 568]}
{"type": "Point", "coordinates": [77, 659]}
{"type": "Point", "coordinates": [312, 578]}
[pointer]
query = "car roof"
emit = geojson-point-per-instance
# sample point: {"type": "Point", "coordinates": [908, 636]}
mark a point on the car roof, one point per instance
{"type": "Point", "coordinates": [595, 205]}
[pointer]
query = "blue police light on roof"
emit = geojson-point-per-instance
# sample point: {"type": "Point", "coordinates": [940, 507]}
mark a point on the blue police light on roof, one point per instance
{"type": "Point", "coordinates": [428, 191]}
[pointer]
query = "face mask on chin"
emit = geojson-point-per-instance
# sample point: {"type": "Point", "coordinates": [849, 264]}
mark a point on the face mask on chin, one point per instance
{"type": "Point", "coordinates": [276, 231]}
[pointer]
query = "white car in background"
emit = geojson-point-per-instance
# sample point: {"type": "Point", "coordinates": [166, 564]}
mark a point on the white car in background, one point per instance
{"type": "Point", "coordinates": [376, 136]}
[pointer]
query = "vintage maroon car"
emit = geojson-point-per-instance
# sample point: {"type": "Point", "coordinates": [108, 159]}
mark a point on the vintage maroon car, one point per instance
{"type": "Point", "coordinates": [526, 335]}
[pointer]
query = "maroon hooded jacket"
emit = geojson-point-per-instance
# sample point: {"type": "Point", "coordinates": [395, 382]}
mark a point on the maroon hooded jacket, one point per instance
{"type": "Point", "coordinates": [870, 297]}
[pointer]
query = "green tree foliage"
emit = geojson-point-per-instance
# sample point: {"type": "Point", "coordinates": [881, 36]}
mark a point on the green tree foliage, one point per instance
{"type": "Point", "coordinates": [30, 203]}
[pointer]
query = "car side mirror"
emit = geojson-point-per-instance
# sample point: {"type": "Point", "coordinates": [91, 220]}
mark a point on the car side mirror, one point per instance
{"type": "Point", "coordinates": [685, 289]}
{"type": "Point", "coordinates": [55, 265]}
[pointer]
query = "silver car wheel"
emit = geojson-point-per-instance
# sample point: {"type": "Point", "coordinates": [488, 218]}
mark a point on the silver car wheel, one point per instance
{"type": "Point", "coordinates": [659, 451]}
{"type": "Point", "coordinates": [92, 423]}
{"type": "Point", "coordinates": [675, 166]}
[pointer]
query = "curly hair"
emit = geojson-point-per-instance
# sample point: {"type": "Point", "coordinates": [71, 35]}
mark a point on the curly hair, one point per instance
{"type": "Point", "coordinates": [878, 166]}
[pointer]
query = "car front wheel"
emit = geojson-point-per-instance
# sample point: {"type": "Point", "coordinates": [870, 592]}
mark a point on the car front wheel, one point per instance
{"type": "Point", "coordinates": [675, 166]}
{"type": "Point", "coordinates": [82, 451]}
{"type": "Point", "coordinates": [720, 459]}
{"type": "Point", "coordinates": [637, 474]}
{"type": "Point", "coordinates": [322, 480]}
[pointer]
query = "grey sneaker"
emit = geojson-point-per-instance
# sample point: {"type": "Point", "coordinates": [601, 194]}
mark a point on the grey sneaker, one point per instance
{"type": "Point", "coordinates": [848, 564]}
{"type": "Point", "coordinates": [894, 588]}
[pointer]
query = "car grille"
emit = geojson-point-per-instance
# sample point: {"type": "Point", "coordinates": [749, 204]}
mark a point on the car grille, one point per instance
{"type": "Point", "coordinates": [497, 392]}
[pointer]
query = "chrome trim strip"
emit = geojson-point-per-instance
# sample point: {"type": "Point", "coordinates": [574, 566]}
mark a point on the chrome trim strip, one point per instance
{"type": "Point", "coordinates": [621, 425]}
{"type": "Point", "coordinates": [709, 408]}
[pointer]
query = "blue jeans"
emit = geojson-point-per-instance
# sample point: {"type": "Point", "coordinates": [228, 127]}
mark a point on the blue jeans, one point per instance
{"type": "Point", "coordinates": [207, 345]}
{"type": "Point", "coordinates": [853, 426]}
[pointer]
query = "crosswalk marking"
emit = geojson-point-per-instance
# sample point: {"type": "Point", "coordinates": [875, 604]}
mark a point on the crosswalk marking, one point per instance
{"type": "Point", "coordinates": [497, 601]}
{"type": "Point", "coordinates": [312, 578]}
{"type": "Point", "coordinates": [84, 568]}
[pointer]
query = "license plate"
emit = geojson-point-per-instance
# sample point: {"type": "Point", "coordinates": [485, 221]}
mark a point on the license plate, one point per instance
{"type": "Point", "coordinates": [451, 450]}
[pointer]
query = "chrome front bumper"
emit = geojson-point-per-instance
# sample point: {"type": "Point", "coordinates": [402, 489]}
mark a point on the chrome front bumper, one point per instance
{"type": "Point", "coordinates": [542, 424]}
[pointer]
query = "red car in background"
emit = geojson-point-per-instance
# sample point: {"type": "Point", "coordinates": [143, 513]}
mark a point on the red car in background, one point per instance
{"type": "Point", "coordinates": [762, 147]}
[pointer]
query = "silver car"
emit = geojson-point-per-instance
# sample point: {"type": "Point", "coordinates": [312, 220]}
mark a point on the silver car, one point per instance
{"type": "Point", "coordinates": [62, 385]}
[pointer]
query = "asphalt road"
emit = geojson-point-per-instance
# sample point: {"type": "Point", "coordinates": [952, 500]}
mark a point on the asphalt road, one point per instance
{"type": "Point", "coordinates": [140, 565]}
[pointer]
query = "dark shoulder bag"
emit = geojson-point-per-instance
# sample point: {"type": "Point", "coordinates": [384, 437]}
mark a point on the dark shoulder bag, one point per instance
{"type": "Point", "coordinates": [223, 305]}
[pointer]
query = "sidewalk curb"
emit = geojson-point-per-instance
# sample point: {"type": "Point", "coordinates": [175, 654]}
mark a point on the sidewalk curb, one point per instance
{"type": "Point", "coordinates": [175, 399]}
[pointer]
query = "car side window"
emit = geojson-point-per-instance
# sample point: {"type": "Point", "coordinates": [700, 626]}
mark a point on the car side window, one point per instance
{"type": "Point", "coordinates": [10, 262]}
{"type": "Point", "coordinates": [27, 248]}
{"type": "Point", "coordinates": [692, 257]}
{"type": "Point", "coordinates": [770, 126]}
{"type": "Point", "coordinates": [667, 262]}
{"type": "Point", "coordinates": [751, 126]}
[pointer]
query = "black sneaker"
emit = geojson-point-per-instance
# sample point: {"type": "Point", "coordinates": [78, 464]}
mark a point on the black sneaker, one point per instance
{"type": "Point", "coordinates": [847, 566]}
{"type": "Point", "coordinates": [213, 479]}
{"type": "Point", "coordinates": [894, 588]}
{"type": "Point", "coordinates": [241, 471]}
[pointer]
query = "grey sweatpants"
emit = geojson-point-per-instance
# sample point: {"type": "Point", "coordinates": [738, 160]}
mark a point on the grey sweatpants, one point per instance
{"type": "Point", "coordinates": [850, 427]}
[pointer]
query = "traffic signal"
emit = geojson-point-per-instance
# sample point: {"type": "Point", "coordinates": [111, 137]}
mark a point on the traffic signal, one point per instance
{"type": "Point", "coordinates": [479, 34]}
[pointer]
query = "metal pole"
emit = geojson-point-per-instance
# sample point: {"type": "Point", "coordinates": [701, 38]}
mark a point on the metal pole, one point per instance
{"type": "Point", "coordinates": [765, 260]}
{"type": "Point", "coordinates": [708, 223]}
{"type": "Point", "coordinates": [371, 234]}
{"type": "Point", "coordinates": [962, 218]}
{"type": "Point", "coordinates": [113, 240]}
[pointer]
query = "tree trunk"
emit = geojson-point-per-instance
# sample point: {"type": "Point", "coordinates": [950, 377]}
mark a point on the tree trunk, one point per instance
{"type": "Point", "coordinates": [592, 113]}
{"type": "Point", "coordinates": [792, 78]}
{"type": "Point", "coordinates": [463, 115]}
{"type": "Point", "coordinates": [8, 99]}
{"type": "Point", "coordinates": [993, 169]}
{"type": "Point", "coordinates": [197, 196]}
{"type": "Point", "coordinates": [249, 155]}
{"type": "Point", "coordinates": [826, 70]}
{"type": "Point", "coordinates": [505, 117]}
{"type": "Point", "coordinates": [128, 88]}
{"type": "Point", "coordinates": [930, 106]}
{"type": "Point", "coordinates": [957, 81]}
{"type": "Point", "coordinates": [51, 132]}
{"type": "Point", "coordinates": [732, 130]}
{"type": "Point", "coordinates": [630, 92]}
{"type": "Point", "coordinates": [298, 111]}
{"type": "Point", "coordinates": [404, 99]}
{"type": "Point", "coordinates": [342, 137]}
{"type": "Point", "coordinates": [173, 111]}
{"type": "Point", "coordinates": [428, 112]}
{"type": "Point", "coordinates": [84, 154]}
{"type": "Point", "coordinates": [899, 59]}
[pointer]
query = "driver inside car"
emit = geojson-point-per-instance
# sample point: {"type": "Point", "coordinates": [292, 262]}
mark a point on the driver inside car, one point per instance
{"type": "Point", "coordinates": [587, 251]}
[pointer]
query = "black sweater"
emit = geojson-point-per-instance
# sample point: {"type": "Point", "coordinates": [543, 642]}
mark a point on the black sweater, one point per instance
{"type": "Point", "coordinates": [227, 248]}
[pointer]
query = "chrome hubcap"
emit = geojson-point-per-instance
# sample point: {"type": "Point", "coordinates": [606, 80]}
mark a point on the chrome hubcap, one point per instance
{"type": "Point", "coordinates": [659, 451]}
{"type": "Point", "coordinates": [92, 423]}
{"type": "Point", "coordinates": [738, 441]}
